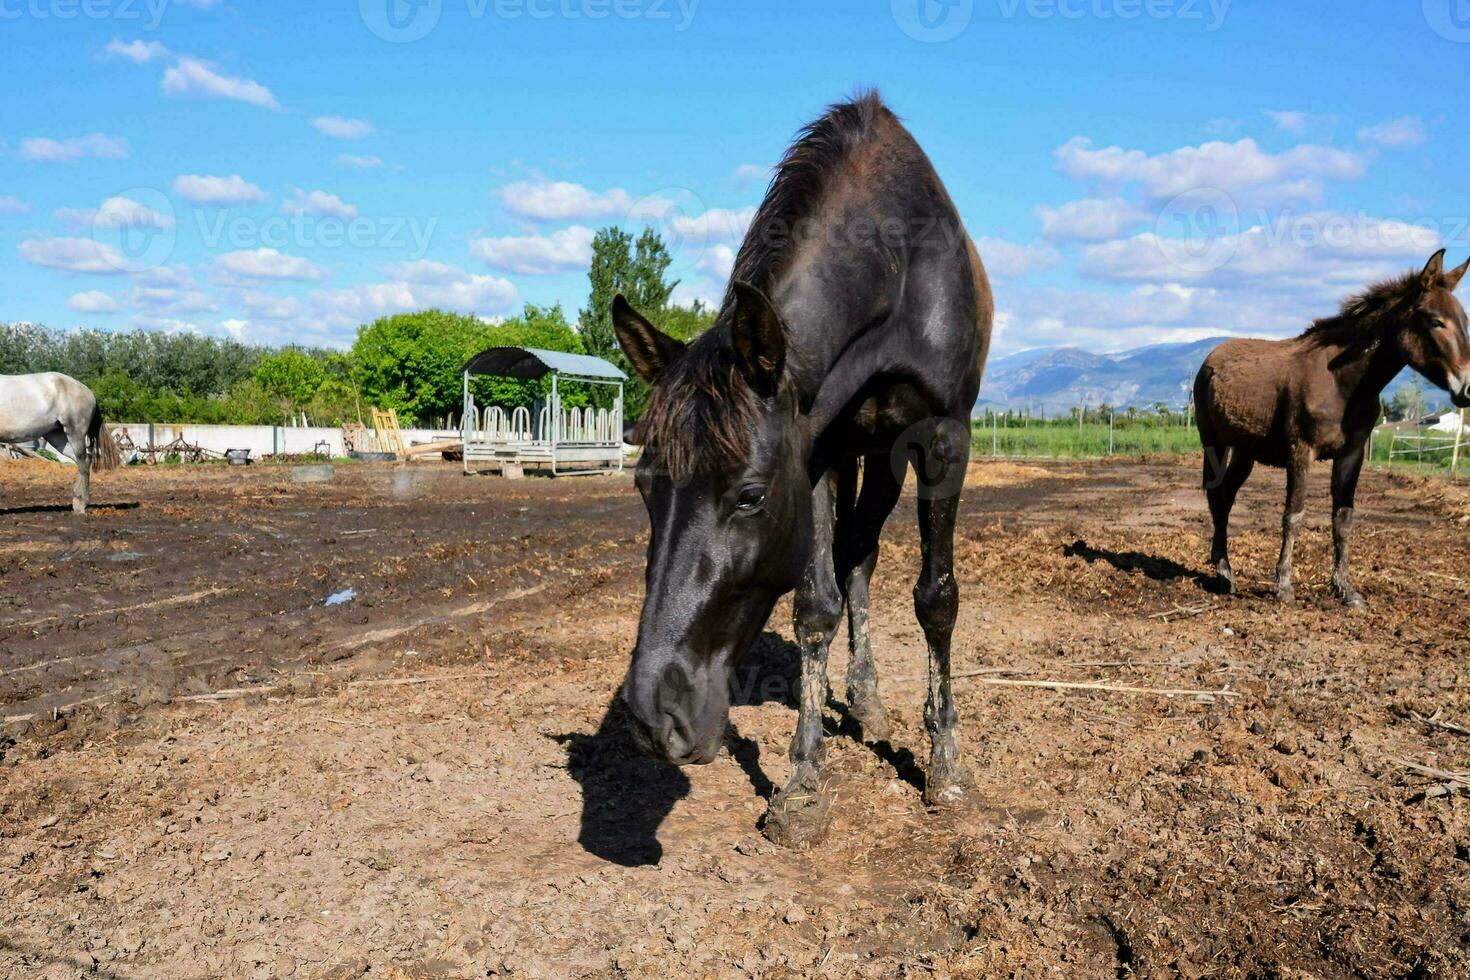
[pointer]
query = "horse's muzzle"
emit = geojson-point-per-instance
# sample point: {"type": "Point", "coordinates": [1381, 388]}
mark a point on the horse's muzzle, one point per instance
{"type": "Point", "coordinates": [670, 721]}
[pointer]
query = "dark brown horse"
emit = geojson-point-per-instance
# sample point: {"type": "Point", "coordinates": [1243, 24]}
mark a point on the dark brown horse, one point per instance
{"type": "Point", "coordinates": [1289, 402]}
{"type": "Point", "coordinates": [854, 331]}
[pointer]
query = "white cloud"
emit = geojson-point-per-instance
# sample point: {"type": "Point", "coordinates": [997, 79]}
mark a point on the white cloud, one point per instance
{"type": "Point", "coordinates": [1009, 260]}
{"type": "Point", "coordinates": [341, 128]}
{"type": "Point", "coordinates": [192, 77]}
{"type": "Point", "coordinates": [267, 263]}
{"type": "Point", "coordinates": [1298, 123]}
{"type": "Point", "coordinates": [267, 306]}
{"type": "Point", "coordinates": [93, 301]}
{"type": "Point", "coordinates": [1317, 254]}
{"type": "Point", "coordinates": [537, 255]}
{"type": "Point", "coordinates": [546, 200]}
{"type": "Point", "coordinates": [13, 205]}
{"type": "Point", "coordinates": [221, 191]}
{"type": "Point", "coordinates": [717, 262]}
{"type": "Point", "coordinates": [318, 203]}
{"type": "Point", "coordinates": [1230, 167]}
{"type": "Point", "coordinates": [1090, 219]}
{"type": "Point", "coordinates": [73, 255]}
{"type": "Point", "coordinates": [165, 324]}
{"type": "Point", "coordinates": [445, 287]}
{"type": "Point", "coordinates": [139, 52]}
{"type": "Point", "coordinates": [750, 173]}
{"type": "Point", "coordinates": [426, 271]}
{"type": "Point", "coordinates": [715, 225]}
{"type": "Point", "coordinates": [1405, 131]}
{"type": "Point", "coordinates": [47, 150]}
{"type": "Point", "coordinates": [171, 302]}
{"type": "Point", "coordinates": [116, 212]}
{"type": "Point", "coordinates": [359, 162]}
{"type": "Point", "coordinates": [235, 328]}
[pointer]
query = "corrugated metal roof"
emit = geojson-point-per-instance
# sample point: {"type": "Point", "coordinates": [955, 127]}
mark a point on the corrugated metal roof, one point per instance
{"type": "Point", "coordinates": [532, 362]}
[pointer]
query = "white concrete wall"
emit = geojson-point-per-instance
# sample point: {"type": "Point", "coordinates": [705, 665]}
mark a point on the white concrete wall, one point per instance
{"type": "Point", "coordinates": [261, 440]}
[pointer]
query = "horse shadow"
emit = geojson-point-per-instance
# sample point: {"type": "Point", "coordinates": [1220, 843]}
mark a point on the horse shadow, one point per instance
{"type": "Point", "coordinates": [1156, 568]}
{"type": "Point", "coordinates": [627, 795]}
{"type": "Point", "coordinates": [62, 508]}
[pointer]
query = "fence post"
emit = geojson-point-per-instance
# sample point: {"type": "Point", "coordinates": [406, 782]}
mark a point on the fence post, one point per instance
{"type": "Point", "coordinates": [994, 435]}
{"type": "Point", "coordinates": [1455, 458]}
{"type": "Point", "coordinates": [1111, 413]}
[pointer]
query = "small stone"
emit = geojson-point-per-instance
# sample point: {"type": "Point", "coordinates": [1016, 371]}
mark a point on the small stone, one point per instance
{"type": "Point", "coordinates": [794, 915]}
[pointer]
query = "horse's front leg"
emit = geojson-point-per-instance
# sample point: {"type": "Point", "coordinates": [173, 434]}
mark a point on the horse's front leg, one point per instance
{"type": "Point", "coordinates": [1291, 521]}
{"type": "Point", "coordinates": [937, 603]}
{"type": "Point", "coordinates": [798, 814]}
{"type": "Point", "coordinates": [1345, 473]}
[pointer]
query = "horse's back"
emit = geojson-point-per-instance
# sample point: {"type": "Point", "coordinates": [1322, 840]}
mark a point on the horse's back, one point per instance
{"type": "Point", "coordinates": [31, 405]}
{"type": "Point", "coordinates": [1239, 393]}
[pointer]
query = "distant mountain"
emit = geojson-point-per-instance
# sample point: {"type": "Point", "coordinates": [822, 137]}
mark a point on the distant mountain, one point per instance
{"type": "Point", "coordinates": [1054, 380]}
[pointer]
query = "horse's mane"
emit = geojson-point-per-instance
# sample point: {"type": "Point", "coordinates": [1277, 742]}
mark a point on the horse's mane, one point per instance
{"type": "Point", "coordinates": [1363, 313]}
{"type": "Point", "coordinates": [701, 411]}
{"type": "Point", "coordinates": [800, 180]}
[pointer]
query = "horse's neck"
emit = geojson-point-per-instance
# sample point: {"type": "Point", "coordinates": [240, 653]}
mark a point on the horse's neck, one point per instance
{"type": "Point", "coordinates": [1366, 366]}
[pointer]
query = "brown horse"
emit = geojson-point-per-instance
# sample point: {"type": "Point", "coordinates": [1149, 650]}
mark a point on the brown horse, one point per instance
{"type": "Point", "coordinates": [1289, 402]}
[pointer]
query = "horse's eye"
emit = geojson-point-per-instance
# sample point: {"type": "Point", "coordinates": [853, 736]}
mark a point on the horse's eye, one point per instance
{"type": "Point", "coordinates": [751, 499]}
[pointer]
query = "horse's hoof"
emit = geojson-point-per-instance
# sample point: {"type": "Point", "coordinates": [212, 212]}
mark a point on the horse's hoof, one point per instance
{"type": "Point", "coordinates": [798, 816]}
{"type": "Point", "coordinates": [1285, 594]}
{"type": "Point", "coordinates": [947, 786]}
{"type": "Point", "coordinates": [1225, 585]}
{"type": "Point", "coordinates": [1351, 597]}
{"type": "Point", "coordinates": [871, 719]}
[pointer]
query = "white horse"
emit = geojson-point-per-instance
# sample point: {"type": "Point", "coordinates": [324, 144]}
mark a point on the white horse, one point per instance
{"type": "Point", "coordinates": [64, 412]}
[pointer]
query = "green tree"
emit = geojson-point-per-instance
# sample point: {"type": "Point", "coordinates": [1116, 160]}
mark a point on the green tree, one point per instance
{"type": "Point", "coordinates": [646, 287]}
{"type": "Point", "coordinates": [610, 273]}
{"type": "Point", "coordinates": [413, 362]}
{"type": "Point", "coordinates": [291, 376]}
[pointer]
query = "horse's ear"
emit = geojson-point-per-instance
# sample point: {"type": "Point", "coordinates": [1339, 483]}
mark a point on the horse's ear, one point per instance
{"type": "Point", "coordinates": [1453, 277]}
{"type": "Point", "coordinates": [759, 338]}
{"type": "Point", "coordinates": [649, 349]}
{"type": "Point", "coordinates": [1433, 272]}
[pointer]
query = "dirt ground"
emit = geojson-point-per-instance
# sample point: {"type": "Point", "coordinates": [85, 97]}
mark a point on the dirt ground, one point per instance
{"type": "Point", "coordinates": [207, 771]}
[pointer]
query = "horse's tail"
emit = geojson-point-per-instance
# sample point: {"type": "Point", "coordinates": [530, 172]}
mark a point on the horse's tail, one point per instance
{"type": "Point", "coordinates": [102, 449]}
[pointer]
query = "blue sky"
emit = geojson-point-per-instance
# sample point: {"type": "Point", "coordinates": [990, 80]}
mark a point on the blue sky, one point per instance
{"type": "Point", "coordinates": [1133, 170]}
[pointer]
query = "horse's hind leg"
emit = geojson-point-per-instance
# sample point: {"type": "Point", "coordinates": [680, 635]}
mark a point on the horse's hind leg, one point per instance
{"type": "Point", "coordinates": [1345, 473]}
{"type": "Point", "coordinates": [1291, 521]}
{"type": "Point", "coordinates": [858, 528]}
{"type": "Point", "coordinates": [1222, 483]}
{"type": "Point", "coordinates": [75, 446]}
{"type": "Point", "coordinates": [940, 467]}
{"type": "Point", "coordinates": [798, 813]}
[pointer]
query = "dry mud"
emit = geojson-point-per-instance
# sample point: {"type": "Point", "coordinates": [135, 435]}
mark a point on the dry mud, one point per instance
{"type": "Point", "coordinates": [205, 771]}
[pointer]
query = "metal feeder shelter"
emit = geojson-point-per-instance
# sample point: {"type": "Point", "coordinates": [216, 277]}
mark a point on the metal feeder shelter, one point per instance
{"type": "Point", "coordinates": [569, 440]}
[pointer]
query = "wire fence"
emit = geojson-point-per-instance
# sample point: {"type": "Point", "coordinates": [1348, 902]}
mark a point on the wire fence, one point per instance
{"type": "Point", "coordinates": [1099, 434]}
